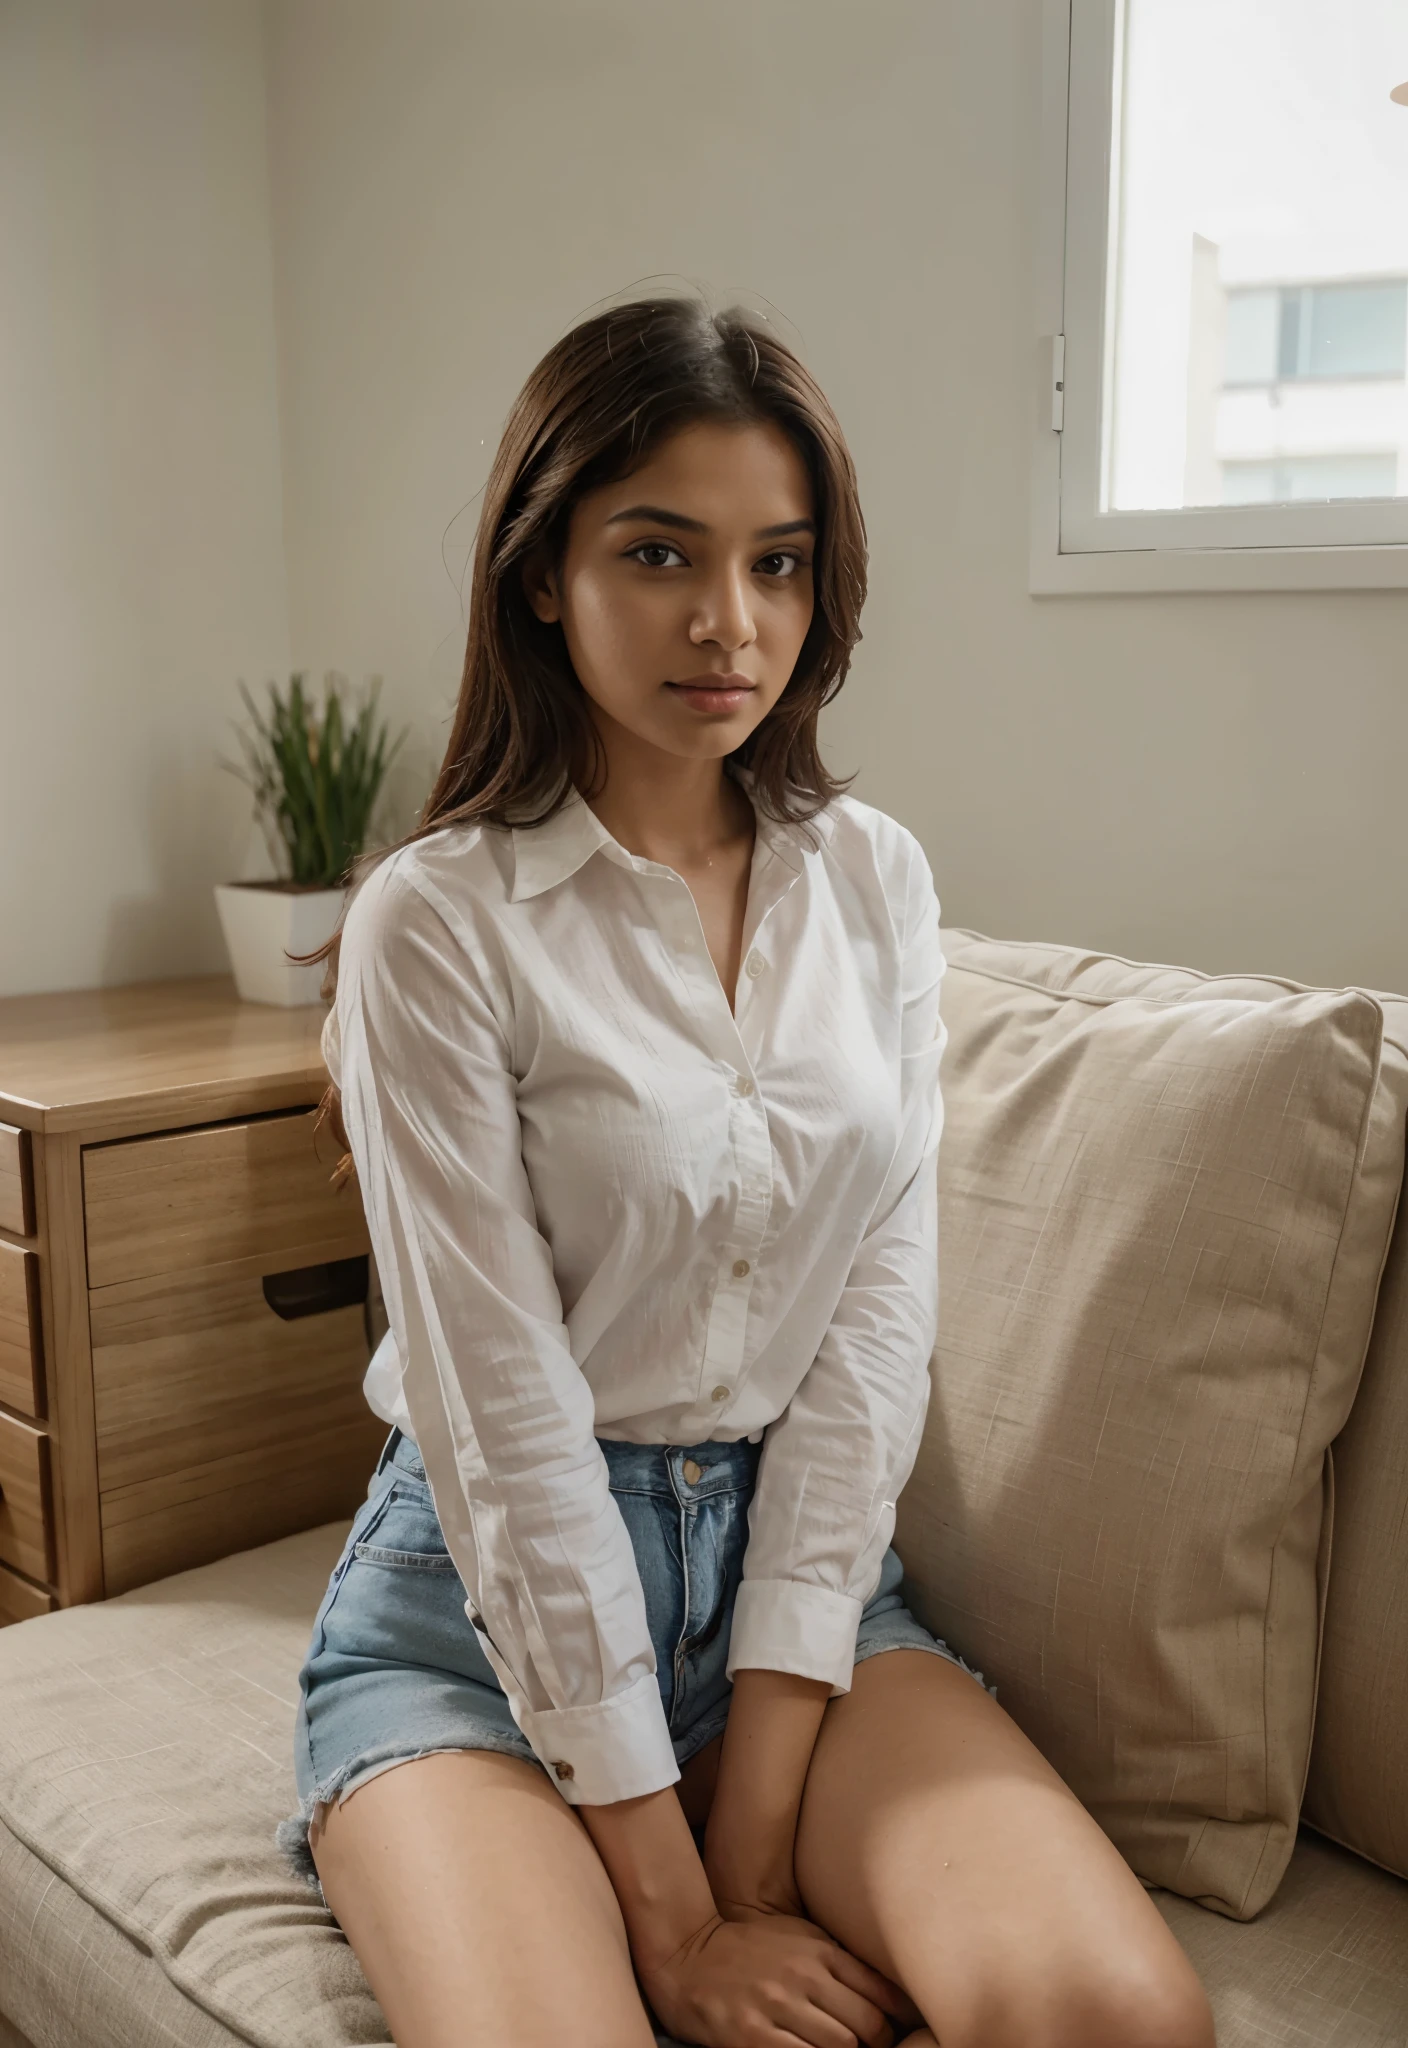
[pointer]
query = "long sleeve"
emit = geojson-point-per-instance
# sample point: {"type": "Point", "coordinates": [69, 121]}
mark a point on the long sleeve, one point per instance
{"type": "Point", "coordinates": [420, 1042]}
{"type": "Point", "coordinates": [834, 1462]}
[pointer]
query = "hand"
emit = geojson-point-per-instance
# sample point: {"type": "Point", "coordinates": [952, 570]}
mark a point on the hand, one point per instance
{"type": "Point", "coordinates": [768, 1982]}
{"type": "Point", "coordinates": [792, 1915]}
{"type": "Point", "coordinates": [750, 1894]}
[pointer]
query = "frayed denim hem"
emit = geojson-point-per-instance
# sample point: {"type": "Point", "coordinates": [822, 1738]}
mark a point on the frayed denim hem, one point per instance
{"type": "Point", "coordinates": [291, 1836]}
{"type": "Point", "coordinates": [864, 1651]}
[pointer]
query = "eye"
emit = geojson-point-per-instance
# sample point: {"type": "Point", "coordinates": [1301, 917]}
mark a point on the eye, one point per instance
{"type": "Point", "coordinates": [656, 554]}
{"type": "Point", "coordinates": [781, 565]}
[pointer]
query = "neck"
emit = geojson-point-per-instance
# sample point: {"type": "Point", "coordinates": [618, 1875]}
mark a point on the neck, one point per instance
{"type": "Point", "coordinates": [666, 809]}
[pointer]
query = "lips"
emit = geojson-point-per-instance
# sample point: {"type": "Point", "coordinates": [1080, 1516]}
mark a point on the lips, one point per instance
{"type": "Point", "coordinates": [712, 691]}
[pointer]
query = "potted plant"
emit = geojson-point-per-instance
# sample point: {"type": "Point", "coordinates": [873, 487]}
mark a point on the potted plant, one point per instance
{"type": "Point", "coordinates": [317, 773]}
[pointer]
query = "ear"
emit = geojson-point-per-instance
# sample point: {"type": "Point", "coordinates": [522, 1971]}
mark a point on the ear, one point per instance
{"type": "Point", "coordinates": [540, 587]}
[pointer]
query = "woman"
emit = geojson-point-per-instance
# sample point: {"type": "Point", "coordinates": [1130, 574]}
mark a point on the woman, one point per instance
{"type": "Point", "coordinates": [637, 1042]}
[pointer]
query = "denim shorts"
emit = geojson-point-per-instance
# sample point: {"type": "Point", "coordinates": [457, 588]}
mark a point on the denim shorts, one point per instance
{"type": "Point", "coordinates": [395, 1670]}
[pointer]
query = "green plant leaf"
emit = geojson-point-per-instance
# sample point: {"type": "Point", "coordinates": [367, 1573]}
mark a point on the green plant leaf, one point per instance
{"type": "Point", "coordinates": [317, 771]}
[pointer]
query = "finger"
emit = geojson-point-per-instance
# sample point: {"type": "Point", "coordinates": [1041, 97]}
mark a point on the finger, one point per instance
{"type": "Point", "coordinates": [863, 2021]}
{"type": "Point", "coordinates": [869, 1983]}
{"type": "Point", "coordinates": [814, 2029]}
{"type": "Point", "coordinates": [827, 2014]}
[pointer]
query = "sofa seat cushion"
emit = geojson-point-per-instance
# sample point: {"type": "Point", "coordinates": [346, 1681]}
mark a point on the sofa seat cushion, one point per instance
{"type": "Point", "coordinates": [69, 1976]}
{"type": "Point", "coordinates": [1358, 1790]}
{"type": "Point", "coordinates": [145, 1764]}
{"type": "Point", "coordinates": [146, 1758]}
{"type": "Point", "coordinates": [1325, 1966]}
{"type": "Point", "coordinates": [1166, 1200]}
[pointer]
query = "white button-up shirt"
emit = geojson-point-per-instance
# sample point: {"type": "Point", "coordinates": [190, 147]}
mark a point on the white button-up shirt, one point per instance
{"type": "Point", "coordinates": [604, 1204]}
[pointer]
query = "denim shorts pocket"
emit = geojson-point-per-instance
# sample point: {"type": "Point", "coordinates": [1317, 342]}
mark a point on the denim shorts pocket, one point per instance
{"type": "Point", "coordinates": [403, 1560]}
{"type": "Point", "coordinates": [407, 1536]}
{"type": "Point", "coordinates": [365, 1524]}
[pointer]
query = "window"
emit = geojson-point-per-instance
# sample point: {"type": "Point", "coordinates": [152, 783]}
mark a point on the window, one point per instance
{"type": "Point", "coordinates": [1225, 296]}
{"type": "Point", "coordinates": [1285, 479]}
{"type": "Point", "coordinates": [1290, 332]}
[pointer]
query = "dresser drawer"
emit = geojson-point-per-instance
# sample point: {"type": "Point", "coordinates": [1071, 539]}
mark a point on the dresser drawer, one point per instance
{"type": "Point", "coordinates": [222, 1423]}
{"type": "Point", "coordinates": [21, 1361]}
{"type": "Point", "coordinates": [205, 1197]}
{"type": "Point", "coordinates": [16, 1189]}
{"type": "Point", "coordinates": [19, 1601]}
{"type": "Point", "coordinates": [26, 1519]}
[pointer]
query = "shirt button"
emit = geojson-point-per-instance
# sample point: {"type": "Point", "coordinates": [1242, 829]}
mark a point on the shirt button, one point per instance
{"type": "Point", "coordinates": [756, 966]}
{"type": "Point", "coordinates": [741, 1269]}
{"type": "Point", "coordinates": [564, 1770]}
{"type": "Point", "coordinates": [719, 1394]}
{"type": "Point", "coordinates": [693, 1473]}
{"type": "Point", "coordinates": [743, 1086]}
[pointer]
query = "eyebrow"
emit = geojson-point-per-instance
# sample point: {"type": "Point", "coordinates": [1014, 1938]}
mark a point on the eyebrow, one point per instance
{"type": "Point", "coordinates": [662, 516]}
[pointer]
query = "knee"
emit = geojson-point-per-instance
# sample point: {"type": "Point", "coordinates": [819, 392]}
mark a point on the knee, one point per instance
{"type": "Point", "coordinates": [1156, 2005]}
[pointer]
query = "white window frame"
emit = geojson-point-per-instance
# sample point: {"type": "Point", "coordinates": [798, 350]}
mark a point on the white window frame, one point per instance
{"type": "Point", "coordinates": [1075, 546]}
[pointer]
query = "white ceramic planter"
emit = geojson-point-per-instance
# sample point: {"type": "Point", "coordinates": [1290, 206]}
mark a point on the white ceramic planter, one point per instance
{"type": "Point", "coordinates": [262, 925]}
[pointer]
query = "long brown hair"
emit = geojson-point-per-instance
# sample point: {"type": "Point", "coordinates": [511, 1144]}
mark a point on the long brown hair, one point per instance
{"type": "Point", "coordinates": [598, 404]}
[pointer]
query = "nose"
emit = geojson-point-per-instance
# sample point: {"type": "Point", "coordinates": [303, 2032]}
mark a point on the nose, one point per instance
{"type": "Point", "coordinates": [724, 617]}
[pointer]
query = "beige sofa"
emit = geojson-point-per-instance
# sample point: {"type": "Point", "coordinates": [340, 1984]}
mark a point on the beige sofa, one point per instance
{"type": "Point", "coordinates": [1171, 1282]}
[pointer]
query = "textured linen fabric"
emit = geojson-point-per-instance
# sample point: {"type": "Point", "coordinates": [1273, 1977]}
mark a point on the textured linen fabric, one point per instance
{"type": "Point", "coordinates": [1358, 1789]}
{"type": "Point", "coordinates": [604, 1205]}
{"type": "Point", "coordinates": [75, 1981]}
{"type": "Point", "coordinates": [1165, 1202]}
{"type": "Point", "coordinates": [144, 1766]}
{"type": "Point", "coordinates": [145, 1762]}
{"type": "Point", "coordinates": [1324, 1966]}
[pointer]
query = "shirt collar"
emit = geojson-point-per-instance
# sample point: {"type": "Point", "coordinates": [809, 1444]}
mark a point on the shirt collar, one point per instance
{"type": "Point", "coordinates": [546, 854]}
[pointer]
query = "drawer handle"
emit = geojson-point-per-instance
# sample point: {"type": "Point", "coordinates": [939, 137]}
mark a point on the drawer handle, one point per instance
{"type": "Point", "coordinates": [316, 1290]}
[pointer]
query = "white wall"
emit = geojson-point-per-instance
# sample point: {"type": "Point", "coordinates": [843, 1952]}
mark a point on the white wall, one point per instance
{"type": "Point", "coordinates": [1209, 779]}
{"type": "Point", "coordinates": [141, 562]}
{"type": "Point", "coordinates": [1215, 780]}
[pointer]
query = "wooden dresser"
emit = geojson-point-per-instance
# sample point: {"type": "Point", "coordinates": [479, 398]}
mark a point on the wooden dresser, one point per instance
{"type": "Point", "coordinates": [182, 1323]}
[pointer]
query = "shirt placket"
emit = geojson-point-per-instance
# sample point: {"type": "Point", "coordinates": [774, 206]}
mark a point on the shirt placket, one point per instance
{"type": "Point", "coordinates": [724, 1361]}
{"type": "Point", "coordinates": [725, 1339]}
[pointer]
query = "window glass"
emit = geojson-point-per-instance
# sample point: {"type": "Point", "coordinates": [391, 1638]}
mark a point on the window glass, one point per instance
{"type": "Point", "coordinates": [1253, 337]}
{"type": "Point", "coordinates": [1353, 330]}
{"type": "Point", "coordinates": [1298, 478]}
{"type": "Point", "coordinates": [1258, 326]}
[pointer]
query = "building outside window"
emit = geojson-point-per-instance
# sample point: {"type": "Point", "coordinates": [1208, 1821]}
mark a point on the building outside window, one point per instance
{"type": "Point", "coordinates": [1232, 298]}
{"type": "Point", "coordinates": [1312, 402]}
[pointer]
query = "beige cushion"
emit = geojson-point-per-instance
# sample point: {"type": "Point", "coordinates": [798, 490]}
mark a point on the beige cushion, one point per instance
{"type": "Point", "coordinates": [1325, 1966]}
{"type": "Point", "coordinates": [11, 2037]}
{"type": "Point", "coordinates": [1165, 1204]}
{"type": "Point", "coordinates": [73, 1980]}
{"type": "Point", "coordinates": [1358, 1790]}
{"type": "Point", "coordinates": [146, 1757]}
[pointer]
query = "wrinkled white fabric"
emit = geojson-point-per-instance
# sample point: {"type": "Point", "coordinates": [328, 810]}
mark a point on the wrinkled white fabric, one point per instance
{"type": "Point", "coordinates": [604, 1204]}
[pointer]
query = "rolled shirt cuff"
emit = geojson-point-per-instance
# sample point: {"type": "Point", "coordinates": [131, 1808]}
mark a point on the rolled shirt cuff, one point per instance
{"type": "Point", "coordinates": [618, 1749]}
{"type": "Point", "coordinates": [787, 1625]}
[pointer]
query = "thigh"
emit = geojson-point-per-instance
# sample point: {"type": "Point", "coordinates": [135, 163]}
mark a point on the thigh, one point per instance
{"type": "Point", "coordinates": [479, 1909]}
{"type": "Point", "coordinates": [937, 1844]}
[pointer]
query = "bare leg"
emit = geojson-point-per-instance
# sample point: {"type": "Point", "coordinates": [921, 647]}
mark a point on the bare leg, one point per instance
{"type": "Point", "coordinates": [937, 1845]}
{"type": "Point", "coordinates": [479, 1909]}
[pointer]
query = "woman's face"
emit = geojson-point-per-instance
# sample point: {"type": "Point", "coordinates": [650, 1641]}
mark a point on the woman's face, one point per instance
{"type": "Point", "coordinates": [685, 591]}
